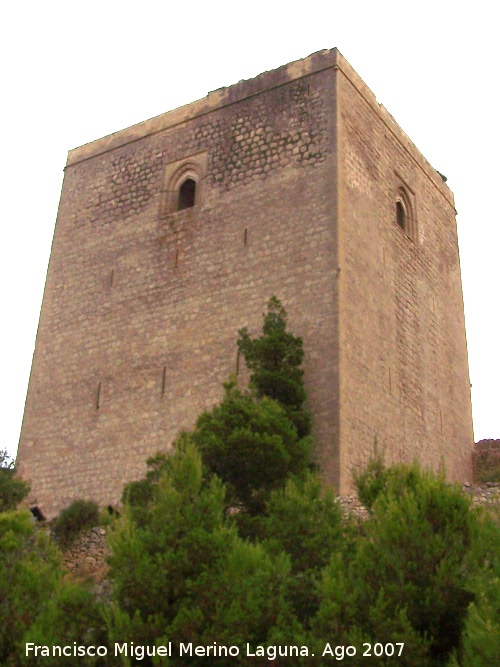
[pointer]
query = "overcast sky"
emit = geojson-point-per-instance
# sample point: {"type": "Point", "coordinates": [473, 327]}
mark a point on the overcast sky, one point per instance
{"type": "Point", "coordinates": [73, 72]}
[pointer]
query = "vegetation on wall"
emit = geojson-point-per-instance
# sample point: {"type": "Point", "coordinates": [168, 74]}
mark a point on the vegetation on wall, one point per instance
{"type": "Point", "coordinates": [76, 517]}
{"type": "Point", "coordinates": [233, 539]}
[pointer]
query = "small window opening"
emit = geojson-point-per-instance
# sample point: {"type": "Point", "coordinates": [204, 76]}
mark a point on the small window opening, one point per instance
{"type": "Point", "coordinates": [187, 194]}
{"type": "Point", "coordinates": [37, 513]}
{"type": "Point", "coordinates": [163, 380]}
{"type": "Point", "coordinates": [400, 215]}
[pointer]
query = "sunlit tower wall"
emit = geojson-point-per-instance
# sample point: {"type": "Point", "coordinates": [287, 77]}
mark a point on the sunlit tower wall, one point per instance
{"type": "Point", "coordinates": [173, 234]}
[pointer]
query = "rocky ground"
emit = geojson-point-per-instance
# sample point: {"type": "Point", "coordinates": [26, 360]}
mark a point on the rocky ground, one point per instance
{"type": "Point", "coordinates": [483, 495]}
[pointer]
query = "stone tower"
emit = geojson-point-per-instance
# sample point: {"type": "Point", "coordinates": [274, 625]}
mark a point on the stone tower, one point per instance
{"type": "Point", "coordinates": [173, 234]}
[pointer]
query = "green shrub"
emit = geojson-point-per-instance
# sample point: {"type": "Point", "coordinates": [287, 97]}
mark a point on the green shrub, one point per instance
{"type": "Point", "coordinates": [252, 445]}
{"type": "Point", "coordinates": [12, 489]}
{"type": "Point", "coordinates": [79, 515]}
{"type": "Point", "coordinates": [137, 495]}
{"type": "Point", "coordinates": [371, 480]}
{"type": "Point", "coordinates": [29, 575]}
{"type": "Point", "coordinates": [408, 576]}
{"type": "Point", "coordinates": [480, 640]}
{"type": "Point", "coordinates": [70, 614]}
{"type": "Point", "coordinates": [181, 572]}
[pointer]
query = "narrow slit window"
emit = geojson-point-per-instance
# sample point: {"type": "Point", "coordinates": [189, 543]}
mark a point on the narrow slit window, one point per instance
{"type": "Point", "coordinates": [187, 194]}
{"type": "Point", "coordinates": [400, 215]}
{"type": "Point", "coordinates": [405, 217]}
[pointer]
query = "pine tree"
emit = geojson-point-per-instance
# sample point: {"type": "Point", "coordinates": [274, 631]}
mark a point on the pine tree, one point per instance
{"type": "Point", "coordinates": [274, 359]}
{"type": "Point", "coordinates": [181, 573]}
{"type": "Point", "coordinates": [407, 579]}
{"type": "Point", "coordinates": [252, 445]}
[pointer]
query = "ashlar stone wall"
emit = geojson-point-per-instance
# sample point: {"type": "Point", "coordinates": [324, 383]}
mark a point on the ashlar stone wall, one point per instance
{"type": "Point", "coordinates": [296, 176]}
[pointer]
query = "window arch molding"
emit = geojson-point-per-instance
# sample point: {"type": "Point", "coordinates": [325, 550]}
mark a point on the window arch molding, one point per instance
{"type": "Point", "coordinates": [404, 211]}
{"type": "Point", "coordinates": [182, 185]}
{"type": "Point", "coordinates": [187, 174]}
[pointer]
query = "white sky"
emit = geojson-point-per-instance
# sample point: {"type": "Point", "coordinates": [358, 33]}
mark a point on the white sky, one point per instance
{"type": "Point", "coordinates": [73, 72]}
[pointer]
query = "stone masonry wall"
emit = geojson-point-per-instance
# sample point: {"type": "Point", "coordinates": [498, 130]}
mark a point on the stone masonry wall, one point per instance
{"type": "Point", "coordinates": [486, 461]}
{"type": "Point", "coordinates": [404, 371]}
{"type": "Point", "coordinates": [87, 553]}
{"type": "Point", "coordinates": [141, 310]}
{"type": "Point", "coordinates": [297, 171]}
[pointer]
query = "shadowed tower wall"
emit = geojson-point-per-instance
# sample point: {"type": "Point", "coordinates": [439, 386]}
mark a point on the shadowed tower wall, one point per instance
{"type": "Point", "coordinates": [173, 234]}
{"type": "Point", "coordinates": [404, 379]}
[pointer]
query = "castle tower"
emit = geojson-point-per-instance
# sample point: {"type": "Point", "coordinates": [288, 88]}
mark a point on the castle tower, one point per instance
{"type": "Point", "coordinates": [173, 234]}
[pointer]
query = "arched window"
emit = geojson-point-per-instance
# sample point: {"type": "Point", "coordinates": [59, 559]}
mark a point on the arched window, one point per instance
{"type": "Point", "coordinates": [183, 184]}
{"type": "Point", "coordinates": [405, 214]}
{"type": "Point", "coordinates": [400, 215]}
{"type": "Point", "coordinates": [187, 194]}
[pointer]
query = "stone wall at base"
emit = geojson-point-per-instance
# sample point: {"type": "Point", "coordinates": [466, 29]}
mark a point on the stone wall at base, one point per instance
{"type": "Point", "coordinates": [486, 461]}
{"type": "Point", "coordinates": [87, 552]}
{"type": "Point", "coordinates": [86, 557]}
